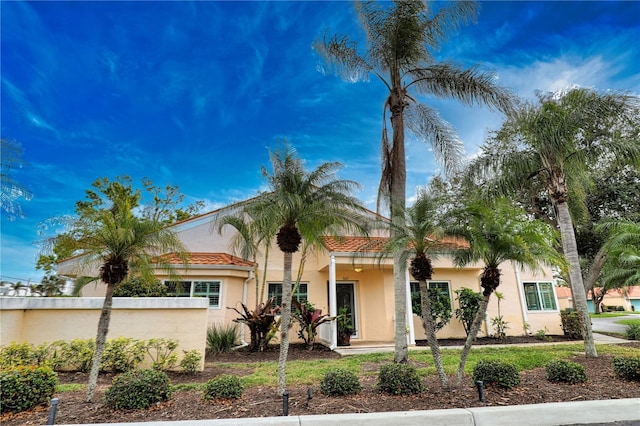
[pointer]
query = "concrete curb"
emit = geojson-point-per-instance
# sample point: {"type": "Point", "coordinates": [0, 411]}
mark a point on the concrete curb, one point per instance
{"type": "Point", "coordinates": [550, 414]}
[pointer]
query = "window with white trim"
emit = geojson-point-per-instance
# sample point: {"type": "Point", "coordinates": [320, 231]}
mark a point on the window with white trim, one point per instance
{"type": "Point", "coordinates": [539, 296]}
{"type": "Point", "coordinates": [208, 289]}
{"type": "Point", "coordinates": [441, 286]}
{"type": "Point", "coordinates": [275, 291]}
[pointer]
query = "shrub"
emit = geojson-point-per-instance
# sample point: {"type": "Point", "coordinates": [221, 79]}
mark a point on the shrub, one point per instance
{"type": "Point", "coordinates": [469, 303]}
{"type": "Point", "coordinates": [399, 379]}
{"type": "Point", "coordinates": [340, 382]}
{"type": "Point", "coordinates": [161, 353]}
{"type": "Point", "coordinates": [24, 388]}
{"type": "Point", "coordinates": [633, 332]}
{"type": "Point", "coordinates": [627, 367]}
{"type": "Point", "coordinates": [138, 287]}
{"type": "Point", "coordinates": [223, 386]}
{"type": "Point", "coordinates": [138, 389]}
{"type": "Point", "coordinates": [572, 324]}
{"type": "Point", "coordinates": [18, 354]}
{"type": "Point", "coordinates": [190, 361]}
{"type": "Point", "coordinates": [221, 338]}
{"type": "Point", "coordinates": [498, 373]}
{"type": "Point", "coordinates": [74, 355]}
{"type": "Point", "coordinates": [566, 372]}
{"type": "Point", "coordinates": [122, 354]}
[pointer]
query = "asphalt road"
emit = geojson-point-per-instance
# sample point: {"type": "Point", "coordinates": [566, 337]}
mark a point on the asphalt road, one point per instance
{"type": "Point", "coordinates": [609, 325]}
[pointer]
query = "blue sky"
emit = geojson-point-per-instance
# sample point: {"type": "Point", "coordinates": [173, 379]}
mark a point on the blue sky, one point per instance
{"type": "Point", "coordinates": [194, 93]}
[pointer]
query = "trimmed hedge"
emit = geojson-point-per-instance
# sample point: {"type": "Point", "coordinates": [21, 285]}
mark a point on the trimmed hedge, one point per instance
{"type": "Point", "coordinates": [340, 382]}
{"type": "Point", "coordinates": [566, 372]}
{"type": "Point", "coordinates": [497, 373]}
{"type": "Point", "coordinates": [224, 386]}
{"type": "Point", "coordinates": [399, 379]}
{"type": "Point", "coordinates": [138, 389]}
{"type": "Point", "coordinates": [23, 388]}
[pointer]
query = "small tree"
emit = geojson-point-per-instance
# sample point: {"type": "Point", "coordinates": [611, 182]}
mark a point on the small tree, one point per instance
{"type": "Point", "coordinates": [468, 305]}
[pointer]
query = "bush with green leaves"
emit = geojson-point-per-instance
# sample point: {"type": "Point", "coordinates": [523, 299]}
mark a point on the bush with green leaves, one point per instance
{"type": "Point", "coordinates": [224, 386]}
{"type": "Point", "coordinates": [572, 324]}
{"type": "Point", "coordinates": [566, 372]}
{"type": "Point", "coordinates": [498, 373]}
{"type": "Point", "coordinates": [340, 382]}
{"type": "Point", "coordinates": [26, 387]}
{"type": "Point", "coordinates": [139, 287]}
{"type": "Point", "coordinates": [468, 305]}
{"type": "Point", "coordinates": [137, 389]}
{"type": "Point", "coordinates": [221, 338]}
{"type": "Point", "coordinates": [161, 352]}
{"type": "Point", "coordinates": [627, 367]}
{"type": "Point", "coordinates": [190, 362]}
{"type": "Point", "coordinates": [399, 379]}
{"type": "Point", "coordinates": [122, 354]}
{"type": "Point", "coordinates": [633, 332]}
{"type": "Point", "coordinates": [74, 355]}
{"type": "Point", "coordinates": [18, 354]}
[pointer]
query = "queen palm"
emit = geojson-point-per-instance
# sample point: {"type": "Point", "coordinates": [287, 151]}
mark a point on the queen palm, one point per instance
{"type": "Point", "coordinates": [418, 239]}
{"type": "Point", "coordinates": [496, 234]}
{"type": "Point", "coordinates": [401, 38]}
{"type": "Point", "coordinates": [555, 144]}
{"type": "Point", "coordinates": [303, 206]}
{"type": "Point", "coordinates": [106, 232]}
{"type": "Point", "coordinates": [622, 264]}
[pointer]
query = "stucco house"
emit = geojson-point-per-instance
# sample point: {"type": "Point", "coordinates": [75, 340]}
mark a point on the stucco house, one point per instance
{"type": "Point", "coordinates": [628, 298]}
{"type": "Point", "coordinates": [348, 272]}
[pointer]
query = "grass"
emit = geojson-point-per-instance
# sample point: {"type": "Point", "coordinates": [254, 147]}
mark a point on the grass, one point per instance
{"type": "Point", "coordinates": [629, 322]}
{"type": "Point", "coordinates": [609, 314]}
{"type": "Point", "coordinates": [311, 372]}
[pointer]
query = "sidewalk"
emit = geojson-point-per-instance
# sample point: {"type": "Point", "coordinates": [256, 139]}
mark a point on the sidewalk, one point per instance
{"type": "Point", "coordinates": [615, 412]}
{"type": "Point", "coordinates": [356, 349]}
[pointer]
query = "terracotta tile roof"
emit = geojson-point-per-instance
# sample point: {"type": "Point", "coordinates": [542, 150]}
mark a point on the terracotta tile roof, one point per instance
{"type": "Point", "coordinates": [371, 244]}
{"type": "Point", "coordinates": [563, 292]}
{"type": "Point", "coordinates": [354, 244]}
{"type": "Point", "coordinates": [210, 259]}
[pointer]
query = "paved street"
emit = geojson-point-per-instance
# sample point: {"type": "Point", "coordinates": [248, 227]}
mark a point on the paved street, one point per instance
{"type": "Point", "coordinates": [609, 324]}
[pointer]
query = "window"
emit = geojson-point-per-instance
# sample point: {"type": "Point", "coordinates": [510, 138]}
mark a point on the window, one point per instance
{"type": "Point", "coordinates": [539, 296]}
{"type": "Point", "coordinates": [275, 291]}
{"type": "Point", "coordinates": [209, 289]}
{"type": "Point", "coordinates": [442, 286]}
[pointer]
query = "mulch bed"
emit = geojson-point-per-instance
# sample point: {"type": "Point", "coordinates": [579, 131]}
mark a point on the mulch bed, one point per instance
{"type": "Point", "coordinates": [262, 401]}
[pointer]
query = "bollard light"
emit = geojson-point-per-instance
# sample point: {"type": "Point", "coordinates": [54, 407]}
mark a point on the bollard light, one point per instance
{"type": "Point", "coordinates": [285, 403]}
{"type": "Point", "coordinates": [480, 385]}
{"type": "Point", "coordinates": [52, 411]}
{"type": "Point", "coordinates": [309, 395]}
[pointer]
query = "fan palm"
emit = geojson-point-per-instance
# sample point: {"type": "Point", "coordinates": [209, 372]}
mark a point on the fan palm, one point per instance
{"type": "Point", "coordinates": [418, 239]}
{"type": "Point", "coordinates": [496, 234]}
{"type": "Point", "coordinates": [554, 144]}
{"type": "Point", "coordinates": [401, 37]}
{"type": "Point", "coordinates": [106, 232]}
{"type": "Point", "coordinates": [303, 206]}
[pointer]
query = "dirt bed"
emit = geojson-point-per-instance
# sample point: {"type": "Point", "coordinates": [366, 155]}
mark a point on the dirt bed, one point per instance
{"type": "Point", "coordinates": [262, 402]}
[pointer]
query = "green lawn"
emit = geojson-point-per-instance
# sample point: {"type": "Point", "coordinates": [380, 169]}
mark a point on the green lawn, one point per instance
{"type": "Point", "coordinates": [628, 321]}
{"type": "Point", "coordinates": [311, 372]}
{"type": "Point", "coordinates": [612, 314]}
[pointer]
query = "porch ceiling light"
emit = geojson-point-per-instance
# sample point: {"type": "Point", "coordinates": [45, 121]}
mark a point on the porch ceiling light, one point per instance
{"type": "Point", "coordinates": [358, 269]}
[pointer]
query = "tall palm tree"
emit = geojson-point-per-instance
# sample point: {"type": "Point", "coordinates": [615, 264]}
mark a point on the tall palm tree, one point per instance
{"type": "Point", "coordinates": [555, 143]}
{"type": "Point", "coordinates": [419, 239]}
{"type": "Point", "coordinates": [304, 206]}
{"type": "Point", "coordinates": [10, 189]}
{"type": "Point", "coordinates": [622, 264]}
{"type": "Point", "coordinates": [106, 232]}
{"type": "Point", "coordinates": [496, 234]}
{"type": "Point", "coordinates": [401, 38]}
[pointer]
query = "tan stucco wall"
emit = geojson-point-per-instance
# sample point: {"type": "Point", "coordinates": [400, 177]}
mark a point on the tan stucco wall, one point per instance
{"type": "Point", "coordinates": [41, 320]}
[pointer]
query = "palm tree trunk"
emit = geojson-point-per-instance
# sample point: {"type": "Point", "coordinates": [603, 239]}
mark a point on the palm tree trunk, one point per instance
{"type": "Point", "coordinates": [285, 320]}
{"type": "Point", "coordinates": [430, 330]}
{"type": "Point", "coordinates": [101, 340]}
{"type": "Point", "coordinates": [471, 337]}
{"type": "Point", "coordinates": [570, 249]}
{"type": "Point", "coordinates": [397, 205]}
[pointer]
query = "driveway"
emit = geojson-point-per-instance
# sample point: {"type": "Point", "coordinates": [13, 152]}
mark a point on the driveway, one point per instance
{"type": "Point", "coordinates": [609, 324]}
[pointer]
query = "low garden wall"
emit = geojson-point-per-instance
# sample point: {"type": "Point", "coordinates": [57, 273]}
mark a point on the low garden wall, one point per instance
{"type": "Point", "coordinates": [39, 320]}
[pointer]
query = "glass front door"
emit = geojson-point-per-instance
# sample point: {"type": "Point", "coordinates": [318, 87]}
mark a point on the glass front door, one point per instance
{"type": "Point", "coordinates": [345, 297]}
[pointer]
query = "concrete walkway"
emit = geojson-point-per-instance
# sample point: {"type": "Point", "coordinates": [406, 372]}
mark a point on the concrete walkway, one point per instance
{"type": "Point", "coordinates": [612, 412]}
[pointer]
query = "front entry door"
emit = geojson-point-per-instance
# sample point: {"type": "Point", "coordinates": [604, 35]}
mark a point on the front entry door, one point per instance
{"type": "Point", "coordinates": [345, 296]}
